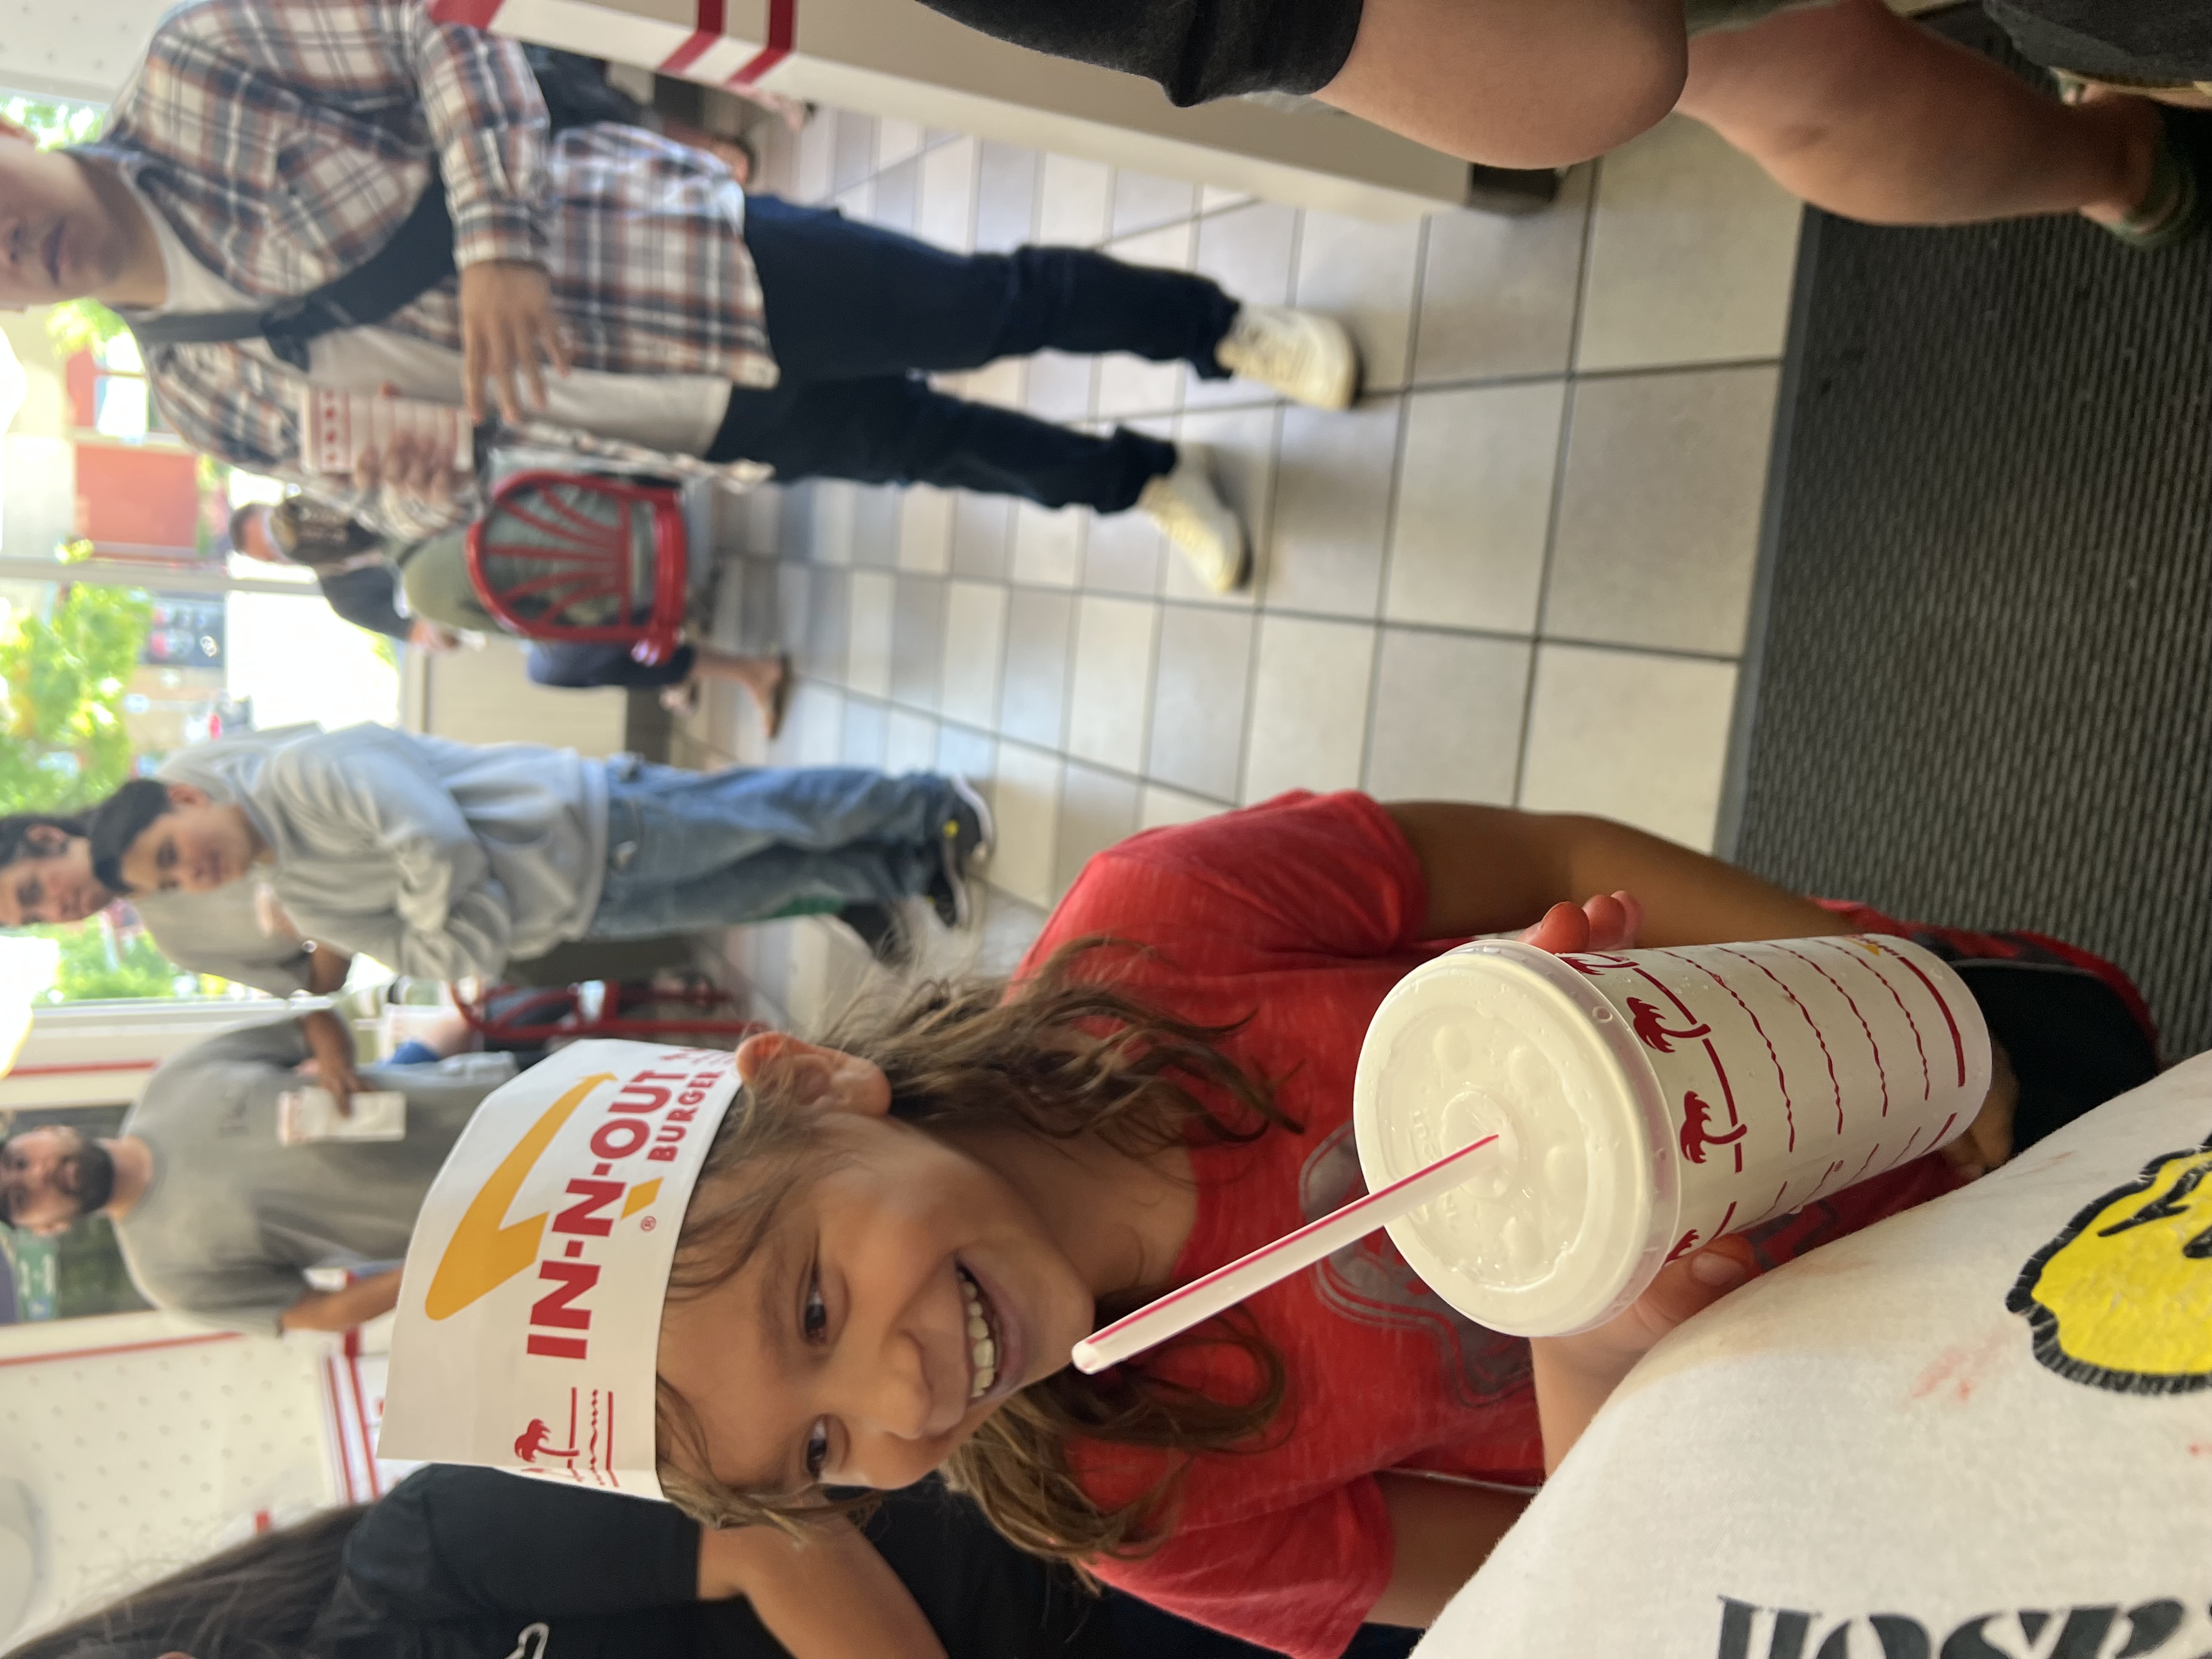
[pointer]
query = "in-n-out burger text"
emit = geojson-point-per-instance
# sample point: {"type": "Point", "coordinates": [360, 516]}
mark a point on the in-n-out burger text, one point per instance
{"type": "Point", "coordinates": [646, 1121]}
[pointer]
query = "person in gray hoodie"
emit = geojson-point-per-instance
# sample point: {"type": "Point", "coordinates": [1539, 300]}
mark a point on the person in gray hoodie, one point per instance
{"type": "Point", "coordinates": [442, 859]}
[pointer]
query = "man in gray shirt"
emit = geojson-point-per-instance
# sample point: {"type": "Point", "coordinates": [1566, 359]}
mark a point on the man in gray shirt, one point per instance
{"type": "Point", "coordinates": [443, 860]}
{"type": "Point", "coordinates": [215, 1217]}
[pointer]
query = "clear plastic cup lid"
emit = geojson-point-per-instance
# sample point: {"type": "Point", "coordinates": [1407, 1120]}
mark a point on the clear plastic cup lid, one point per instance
{"type": "Point", "coordinates": [1569, 1222]}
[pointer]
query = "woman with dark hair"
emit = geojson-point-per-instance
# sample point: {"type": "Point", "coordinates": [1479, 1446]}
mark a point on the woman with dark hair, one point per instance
{"type": "Point", "coordinates": [472, 1564]}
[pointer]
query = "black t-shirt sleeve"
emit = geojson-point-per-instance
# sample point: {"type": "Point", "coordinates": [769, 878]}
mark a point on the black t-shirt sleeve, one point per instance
{"type": "Point", "coordinates": [450, 1542]}
{"type": "Point", "coordinates": [1196, 50]}
{"type": "Point", "coordinates": [981, 1594]}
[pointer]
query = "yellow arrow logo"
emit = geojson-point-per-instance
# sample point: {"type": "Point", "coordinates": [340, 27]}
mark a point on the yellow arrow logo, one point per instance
{"type": "Point", "coordinates": [486, 1249]}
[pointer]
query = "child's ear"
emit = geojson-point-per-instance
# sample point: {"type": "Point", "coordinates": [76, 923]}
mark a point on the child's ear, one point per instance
{"type": "Point", "coordinates": [186, 794]}
{"type": "Point", "coordinates": [807, 1074]}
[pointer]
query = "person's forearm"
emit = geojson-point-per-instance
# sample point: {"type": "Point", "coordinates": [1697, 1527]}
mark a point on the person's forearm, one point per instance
{"type": "Point", "coordinates": [831, 1596]}
{"type": "Point", "coordinates": [341, 1310]}
{"type": "Point", "coordinates": [327, 968]}
{"type": "Point", "coordinates": [1441, 1532]}
{"type": "Point", "coordinates": [1491, 868]}
{"type": "Point", "coordinates": [1568, 1396]}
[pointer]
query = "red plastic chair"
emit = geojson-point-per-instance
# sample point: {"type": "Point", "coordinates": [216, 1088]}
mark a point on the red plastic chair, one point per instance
{"type": "Point", "coordinates": [556, 556]}
{"type": "Point", "coordinates": [537, 1014]}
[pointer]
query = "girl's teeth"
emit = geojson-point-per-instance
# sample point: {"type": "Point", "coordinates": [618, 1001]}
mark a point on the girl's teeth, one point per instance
{"type": "Point", "coordinates": [982, 1350]}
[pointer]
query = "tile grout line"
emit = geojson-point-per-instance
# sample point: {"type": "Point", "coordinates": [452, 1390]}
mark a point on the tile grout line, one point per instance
{"type": "Point", "coordinates": [1558, 490]}
{"type": "Point", "coordinates": [1258, 615]}
{"type": "Point", "coordinates": [1376, 630]}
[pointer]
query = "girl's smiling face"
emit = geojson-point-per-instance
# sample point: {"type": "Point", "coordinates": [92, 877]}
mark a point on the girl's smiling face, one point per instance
{"type": "Point", "coordinates": [899, 1294]}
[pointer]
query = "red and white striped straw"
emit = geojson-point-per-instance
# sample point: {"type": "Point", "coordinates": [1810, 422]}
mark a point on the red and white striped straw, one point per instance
{"type": "Point", "coordinates": [1224, 1287]}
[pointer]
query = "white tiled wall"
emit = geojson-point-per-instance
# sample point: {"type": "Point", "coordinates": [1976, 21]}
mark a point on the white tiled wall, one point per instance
{"type": "Point", "coordinates": [1518, 571]}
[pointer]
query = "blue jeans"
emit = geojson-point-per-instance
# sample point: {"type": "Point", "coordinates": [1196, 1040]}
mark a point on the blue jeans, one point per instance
{"type": "Point", "coordinates": [687, 850]}
{"type": "Point", "coordinates": [856, 315]}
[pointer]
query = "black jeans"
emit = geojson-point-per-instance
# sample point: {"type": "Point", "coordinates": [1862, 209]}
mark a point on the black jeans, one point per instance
{"type": "Point", "coordinates": [857, 316]}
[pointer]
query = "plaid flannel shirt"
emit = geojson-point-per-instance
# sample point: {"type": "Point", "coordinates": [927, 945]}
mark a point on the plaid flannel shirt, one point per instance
{"type": "Point", "coordinates": [285, 141]}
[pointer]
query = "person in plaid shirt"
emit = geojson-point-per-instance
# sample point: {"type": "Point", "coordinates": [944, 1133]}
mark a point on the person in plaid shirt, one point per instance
{"type": "Point", "coordinates": [264, 147]}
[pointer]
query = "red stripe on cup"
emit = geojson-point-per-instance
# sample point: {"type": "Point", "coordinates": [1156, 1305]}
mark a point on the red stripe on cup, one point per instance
{"type": "Point", "coordinates": [1958, 1042]}
{"type": "Point", "coordinates": [783, 30]}
{"type": "Point", "coordinates": [706, 31]}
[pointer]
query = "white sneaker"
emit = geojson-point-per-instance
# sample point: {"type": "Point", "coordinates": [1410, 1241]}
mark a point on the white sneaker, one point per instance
{"type": "Point", "coordinates": [1304, 355]}
{"type": "Point", "coordinates": [1191, 513]}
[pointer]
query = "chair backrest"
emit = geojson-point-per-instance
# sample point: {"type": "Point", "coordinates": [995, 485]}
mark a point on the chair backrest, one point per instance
{"type": "Point", "coordinates": [573, 556]}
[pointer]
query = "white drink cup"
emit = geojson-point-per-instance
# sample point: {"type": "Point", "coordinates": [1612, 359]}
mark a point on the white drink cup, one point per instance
{"type": "Point", "coordinates": [1647, 1102]}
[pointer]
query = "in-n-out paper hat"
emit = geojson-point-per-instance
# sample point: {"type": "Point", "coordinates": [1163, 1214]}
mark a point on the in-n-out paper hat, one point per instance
{"type": "Point", "coordinates": [530, 1309]}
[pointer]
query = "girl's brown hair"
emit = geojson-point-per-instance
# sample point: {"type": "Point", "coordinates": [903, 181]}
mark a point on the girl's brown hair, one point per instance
{"type": "Point", "coordinates": [1061, 1054]}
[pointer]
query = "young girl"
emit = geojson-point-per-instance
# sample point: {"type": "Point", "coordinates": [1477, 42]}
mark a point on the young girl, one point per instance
{"type": "Point", "coordinates": [901, 1231]}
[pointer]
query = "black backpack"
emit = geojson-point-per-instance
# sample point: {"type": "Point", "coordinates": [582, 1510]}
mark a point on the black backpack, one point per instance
{"type": "Point", "coordinates": [420, 254]}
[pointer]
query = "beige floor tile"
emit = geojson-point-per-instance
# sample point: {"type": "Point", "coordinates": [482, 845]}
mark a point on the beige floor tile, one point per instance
{"type": "Point", "coordinates": [1218, 199]}
{"type": "Point", "coordinates": [911, 744]}
{"type": "Point", "coordinates": [1142, 200]}
{"type": "Point", "coordinates": [966, 753]}
{"type": "Point", "coordinates": [1498, 294]}
{"type": "Point", "coordinates": [1060, 386]}
{"type": "Point", "coordinates": [835, 500]}
{"type": "Point", "coordinates": [1659, 511]}
{"type": "Point", "coordinates": [1003, 383]}
{"type": "Point", "coordinates": [1362, 274]}
{"type": "Point", "coordinates": [975, 644]}
{"type": "Point", "coordinates": [1692, 252]}
{"type": "Point", "coordinates": [1158, 808]}
{"type": "Point", "coordinates": [1073, 201]}
{"type": "Point", "coordinates": [1039, 641]}
{"type": "Point", "coordinates": [896, 141]}
{"type": "Point", "coordinates": [857, 201]}
{"type": "Point", "coordinates": [792, 580]}
{"type": "Point", "coordinates": [1448, 716]}
{"type": "Point", "coordinates": [854, 156]}
{"type": "Point", "coordinates": [1198, 698]}
{"type": "Point", "coordinates": [815, 165]}
{"type": "Point", "coordinates": [1475, 504]}
{"type": "Point", "coordinates": [823, 647]}
{"type": "Point", "coordinates": [1026, 804]}
{"type": "Point", "coordinates": [813, 727]}
{"type": "Point", "coordinates": [1308, 720]}
{"type": "Point", "coordinates": [1122, 553]}
{"type": "Point", "coordinates": [1631, 736]}
{"type": "Point", "coordinates": [866, 732]}
{"type": "Point", "coordinates": [948, 196]}
{"type": "Point", "coordinates": [1048, 544]}
{"type": "Point", "coordinates": [1112, 671]}
{"type": "Point", "coordinates": [876, 525]}
{"type": "Point", "coordinates": [868, 669]}
{"type": "Point", "coordinates": [1096, 810]}
{"type": "Point", "coordinates": [1332, 509]}
{"type": "Point", "coordinates": [1005, 196]}
{"type": "Point", "coordinates": [925, 537]}
{"type": "Point", "coordinates": [897, 199]}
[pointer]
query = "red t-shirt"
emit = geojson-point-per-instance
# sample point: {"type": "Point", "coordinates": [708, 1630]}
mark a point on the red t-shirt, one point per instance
{"type": "Point", "coordinates": [1298, 916]}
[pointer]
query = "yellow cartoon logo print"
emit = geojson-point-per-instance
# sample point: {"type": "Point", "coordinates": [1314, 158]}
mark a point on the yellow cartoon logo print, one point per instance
{"type": "Point", "coordinates": [2121, 1299]}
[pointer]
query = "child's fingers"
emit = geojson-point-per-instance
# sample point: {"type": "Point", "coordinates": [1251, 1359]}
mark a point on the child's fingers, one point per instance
{"type": "Point", "coordinates": [1696, 1282]}
{"type": "Point", "coordinates": [1564, 927]}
